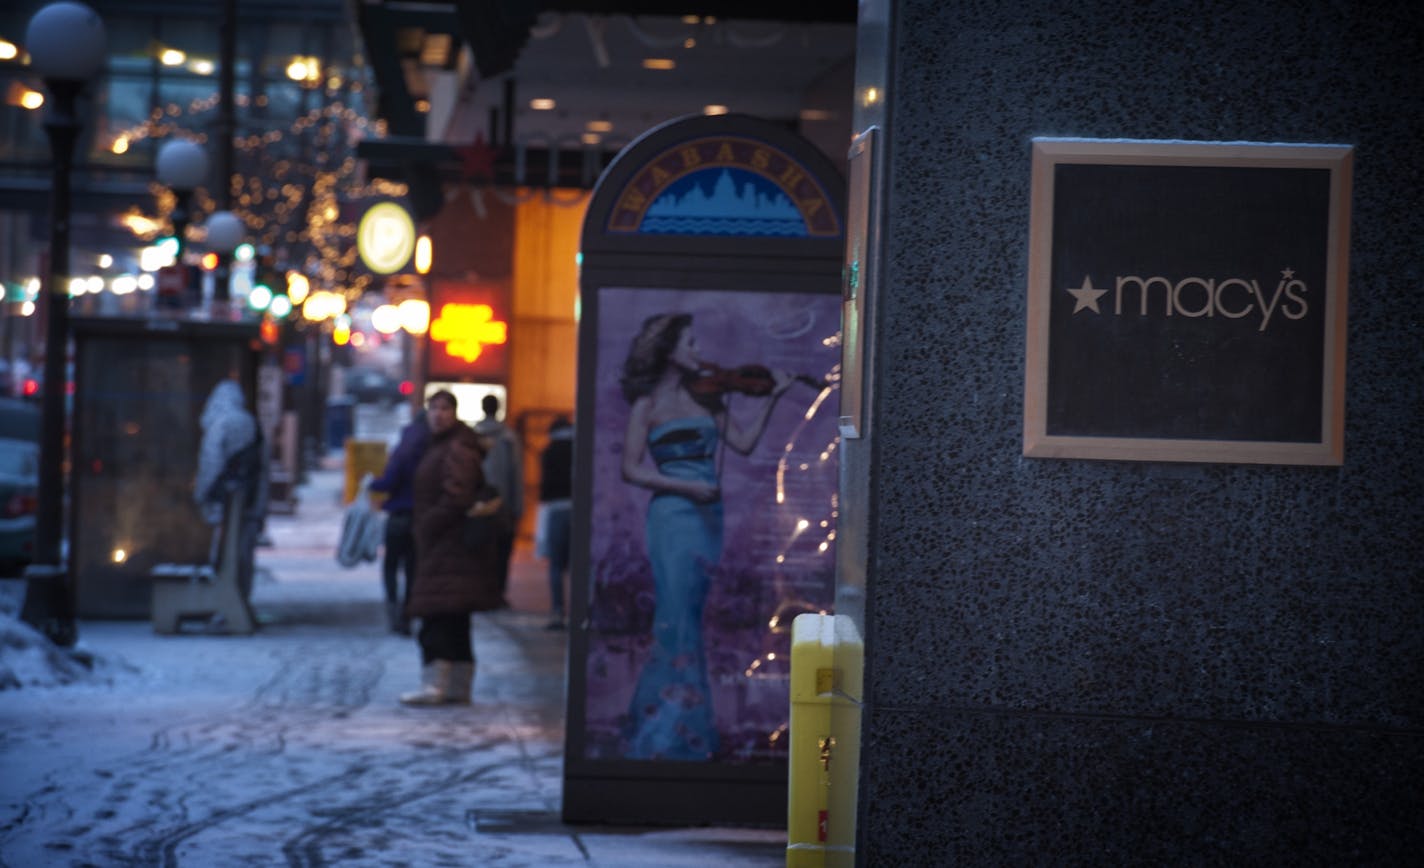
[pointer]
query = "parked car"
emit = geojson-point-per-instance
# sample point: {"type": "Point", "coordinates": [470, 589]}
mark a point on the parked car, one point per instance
{"type": "Point", "coordinates": [370, 386]}
{"type": "Point", "coordinates": [19, 483]}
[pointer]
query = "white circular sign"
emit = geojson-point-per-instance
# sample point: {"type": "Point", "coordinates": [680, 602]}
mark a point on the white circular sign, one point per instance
{"type": "Point", "coordinates": [385, 238]}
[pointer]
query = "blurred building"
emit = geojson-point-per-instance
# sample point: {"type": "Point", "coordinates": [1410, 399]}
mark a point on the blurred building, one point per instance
{"type": "Point", "coordinates": [488, 125]}
{"type": "Point", "coordinates": [297, 107]}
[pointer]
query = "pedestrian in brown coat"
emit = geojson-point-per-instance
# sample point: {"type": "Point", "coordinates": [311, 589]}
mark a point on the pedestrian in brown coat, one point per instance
{"type": "Point", "coordinates": [451, 580]}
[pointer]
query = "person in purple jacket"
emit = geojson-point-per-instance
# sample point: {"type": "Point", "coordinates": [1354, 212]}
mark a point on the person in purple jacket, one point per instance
{"type": "Point", "coordinates": [396, 482]}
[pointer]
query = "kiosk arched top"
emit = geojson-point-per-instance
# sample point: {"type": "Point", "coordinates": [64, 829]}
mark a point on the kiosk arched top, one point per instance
{"type": "Point", "coordinates": [708, 180]}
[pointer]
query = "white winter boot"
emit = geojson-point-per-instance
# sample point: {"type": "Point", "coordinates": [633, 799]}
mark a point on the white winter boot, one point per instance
{"type": "Point", "coordinates": [461, 683]}
{"type": "Point", "coordinates": [434, 677]}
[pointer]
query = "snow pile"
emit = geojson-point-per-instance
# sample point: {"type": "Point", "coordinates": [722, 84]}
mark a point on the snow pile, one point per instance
{"type": "Point", "coordinates": [28, 659]}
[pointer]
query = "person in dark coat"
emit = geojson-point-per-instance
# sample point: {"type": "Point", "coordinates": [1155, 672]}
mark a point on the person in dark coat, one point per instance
{"type": "Point", "coordinates": [451, 580]}
{"type": "Point", "coordinates": [556, 480]}
{"type": "Point", "coordinates": [397, 481]}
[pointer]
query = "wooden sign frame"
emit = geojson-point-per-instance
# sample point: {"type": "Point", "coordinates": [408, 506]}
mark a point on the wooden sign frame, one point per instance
{"type": "Point", "coordinates": [1202, 376]}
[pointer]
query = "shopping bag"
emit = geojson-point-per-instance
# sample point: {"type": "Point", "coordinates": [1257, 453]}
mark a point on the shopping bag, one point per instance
{"type": "Point", "coordinates": [362, 528]}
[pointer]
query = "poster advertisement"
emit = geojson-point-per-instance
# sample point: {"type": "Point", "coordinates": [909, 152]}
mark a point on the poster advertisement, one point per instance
{"type": "Point", "coordinates": [712, 517]}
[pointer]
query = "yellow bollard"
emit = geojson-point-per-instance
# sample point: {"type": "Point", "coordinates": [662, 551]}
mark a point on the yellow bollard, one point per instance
{"type": "Point", "coordinates": [362, 457]}
{"type": "Point", "coordinates": [827, 658]}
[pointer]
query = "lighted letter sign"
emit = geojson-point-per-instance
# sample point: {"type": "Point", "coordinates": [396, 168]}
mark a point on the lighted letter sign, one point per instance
{"type": "Point", "coordinates": [467, 334]}
{"type": "Point", "coordinates": [385, 238]}
{"type": "Point", "coordinates": [466, 329]}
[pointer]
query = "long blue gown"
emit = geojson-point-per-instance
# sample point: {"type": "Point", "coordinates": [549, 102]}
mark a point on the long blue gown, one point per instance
{"type": "Point", "coordinates": [670, 716]}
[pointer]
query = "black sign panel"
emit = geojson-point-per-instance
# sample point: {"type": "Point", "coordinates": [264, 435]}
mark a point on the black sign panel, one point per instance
{"type": "Point", "coordinates": [1187, 302]}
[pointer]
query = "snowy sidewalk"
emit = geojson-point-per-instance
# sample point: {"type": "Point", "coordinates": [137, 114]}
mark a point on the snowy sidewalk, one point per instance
{"type": "Point", "coordinates": [289, 747]}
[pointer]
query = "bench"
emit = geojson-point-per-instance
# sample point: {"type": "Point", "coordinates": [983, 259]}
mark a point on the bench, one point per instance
{"type": "Point", "coordinates": [206, 592]}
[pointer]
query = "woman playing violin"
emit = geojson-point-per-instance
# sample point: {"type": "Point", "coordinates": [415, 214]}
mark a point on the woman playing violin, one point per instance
{"type": "Point", "coordinates": [681, 421]}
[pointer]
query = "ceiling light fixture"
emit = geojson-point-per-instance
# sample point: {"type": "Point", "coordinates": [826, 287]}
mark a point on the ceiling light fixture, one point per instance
{"type": "Point", "coordinates": [600, 126]}
{"type": "Point", "coordinates": [659, 63]}
{"type": "Point", "coordinates": [542, 104]}
{"type": "Point", "coordinates": [172, 57]}
{"type": "Point", "coordinates": [714, 110]}
{"type": "Point", "coordinates": [435, 50]}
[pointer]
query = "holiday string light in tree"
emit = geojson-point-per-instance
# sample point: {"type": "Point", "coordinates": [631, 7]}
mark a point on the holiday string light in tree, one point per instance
{"type": "Point", "coordinates": [295, 189]}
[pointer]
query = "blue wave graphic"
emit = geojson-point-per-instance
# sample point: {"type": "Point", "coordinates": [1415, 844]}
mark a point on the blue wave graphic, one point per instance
{"type": "Point", "coordinates": [723, 201]}
{"type": "Point", "coordinates": [722, 226]}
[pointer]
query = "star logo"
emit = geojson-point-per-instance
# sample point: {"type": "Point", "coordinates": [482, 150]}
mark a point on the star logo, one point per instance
{"type": "Point", "coordinates": [476, 159]}
{"type": "Point", "coordinates": [1087, 296]}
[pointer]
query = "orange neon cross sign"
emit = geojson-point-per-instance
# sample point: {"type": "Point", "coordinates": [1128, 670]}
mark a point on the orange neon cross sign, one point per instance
{"type": "Point", "coordinates": [466, 329]}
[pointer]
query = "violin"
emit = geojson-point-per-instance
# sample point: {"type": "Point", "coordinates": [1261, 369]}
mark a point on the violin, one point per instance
{"type": "Point", "coordinates": [755, 380]}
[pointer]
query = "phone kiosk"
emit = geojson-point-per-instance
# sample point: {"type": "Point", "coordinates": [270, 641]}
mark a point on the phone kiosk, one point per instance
{"type": "Point", "coordinates": [704, 519]}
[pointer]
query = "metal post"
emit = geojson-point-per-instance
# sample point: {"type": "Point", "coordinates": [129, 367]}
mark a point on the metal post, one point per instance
{"type": "Point", "coordinates": [49, 598]}
{"type": "Point", "coordinates": [181, 216]}
{"type": "Point", "coordinates": [227, 128]}
{"type": "Point", "coordinates": [222, 282]}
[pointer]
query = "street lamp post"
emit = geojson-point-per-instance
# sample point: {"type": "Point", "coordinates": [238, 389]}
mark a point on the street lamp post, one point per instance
{"type": "Point", "coordinates": [225, 232]}
{"type": "Point", "coordinates": [67, 45]}
{"type": "Point", "coordinates": [181, 166]}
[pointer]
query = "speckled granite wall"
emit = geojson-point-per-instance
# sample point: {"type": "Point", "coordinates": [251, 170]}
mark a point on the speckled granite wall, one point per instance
{"type": "Point", "coordinates": [1094, 662]}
